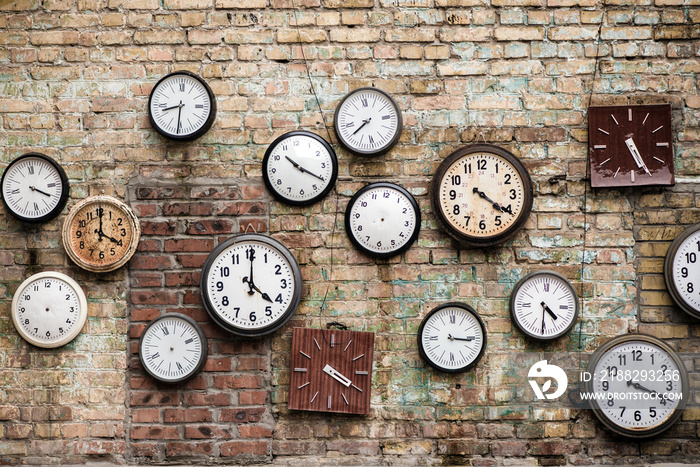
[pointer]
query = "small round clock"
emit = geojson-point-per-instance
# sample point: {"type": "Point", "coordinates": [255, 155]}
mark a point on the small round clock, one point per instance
{"type": "Point", "coordinates": [452, 338]}
{"type": "Point", "coordinates": [49, 309]}
{"type": "Point", "coordinates": [638, 385]}
{"type": "Point", "coordinates": [481, 195]}
{"type": "Point", "coordinates": [544, 305]}
{"type": "Point", "coordinates": [382, 219]}
{"type": "Point", "coordinates": [682, 270]}
{"type": "Point", "coordinates": [181, 106]}
{"type": "Point", "coordinates": [300, 168]}
{"type": "Point", "coordinates": [100, 233]}
{"type": "Point", "coordinates": [368, 122]}
{"type": "Point", "coordinates": [173, 348]}
{"type": "Point", "coordinates": [251, 285]}
{"type": "Point", "coordinates": [34, 188]}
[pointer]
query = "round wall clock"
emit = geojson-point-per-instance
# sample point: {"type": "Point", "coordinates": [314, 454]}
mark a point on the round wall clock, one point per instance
{"type": "Point", "coordinates": [682, 270]}
{"type": "Point", "coordinates": [49, 309]}
{"type": "Point", "coordinates": [101, 233]}
{"type": "Point", "coordinates": [300, 168]}
{"type": "Point", "coordinates": [368, 122]}
{"type": "Point", "coordinates": [173, 348]}
{"type": "Point", "coordinates": [638, 385]}
{"type": "Point", "coordinates": [631, 145]}
{"type": "Point", "coordinates": [544, 305]}
{"type": "Point", "coordinates": [182, 107]}
{"type": "Point", "coordinates": [34, 188]}
{"type": "Point", "coordinates": [452, 338]}
{"type": "Point", "coordinates": [251, 285]}
{"type": "Point", "coordinates": [382, 219]}
{"type": "Point", "coordinates": [481, 195]}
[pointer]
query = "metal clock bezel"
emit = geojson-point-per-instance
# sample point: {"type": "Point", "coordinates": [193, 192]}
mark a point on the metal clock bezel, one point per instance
{"type": "Point", "coordinates": [668, 270]}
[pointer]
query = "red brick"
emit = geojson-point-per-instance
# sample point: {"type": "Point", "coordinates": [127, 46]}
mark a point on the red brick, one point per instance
{"type": "Point", "coordinates": [237, 448]}
{"type": "Point", "coordinates": [191, 261]}
{"type": "Point", "coordinates": [206, 432]}
{"type": "Point", "coordinates": [188, 449]}
{"type": "Point", "coordinates": [252, 397]}
{"type": "Point", "coordinates": [242, 415]}
{"type": "Point", "coordinates": [187, 209]}
{"type": "Point", "coordinates": [215, 193]}
{"type": "Point", "coordinates": [154, 298]}
{"type": "Point", "coordinates": [150, 398]}
{"type": "Point", "coordinates": [218, 364]}
{"type": "Point", "coordinates": [145, 415]}
{"type": "Point", "coordinates": [150, 261]}
{"type": "Point", "coordinates": [188, 415]}
{"type": "Point", "coordinates": [254, 431]}
{"type": "Point", "coordinates": [160, 193]}
{"type": "Point", "coordinates": [207, 227]}
{"type": "Point", "coordinates": [186, 279]}
{"type": "Point", "coordinates": [154, 432]}
{"type": "Point", "coordinates": [158, 228]}
{"type": "Point", "coordinates": [217, 399]}
{"type": "Point", "coordinates": [188, 244]}
{"type": "Point", "coordinates": [238, 381]}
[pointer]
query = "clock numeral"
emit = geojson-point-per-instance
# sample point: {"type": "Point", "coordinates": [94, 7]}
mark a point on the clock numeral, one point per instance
{"type": "Point", "coordinates": [189, 341]}
{"type": "Point", "coordinates": [225, 271]}
{"type": "Point", "coordinates": [30, 169]}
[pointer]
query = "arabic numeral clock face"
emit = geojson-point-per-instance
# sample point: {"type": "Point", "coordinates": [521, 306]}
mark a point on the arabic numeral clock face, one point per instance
{"type": "Point", "coordinates": [638, 385]}
{"type": "Point", "coordinates": [544, 305]}
{"type": "Point", "coordinates": [481, 195]}
{"type": "Point", "coordinates": [368, 122]}
{"type": "Point", "coordinates": [251, 285]}
{"type": "Point", "coordinates": [682, 270]}
{"type": "Point", "coordinates": [300, 168]}
{"type": "Point", "coordinates": [49, 309]}
{"type": "Point", "coordinates": [452, 338]}
{"type": "Point", "coordinates": [182, 107]}
{"type": "Point", "coordinates": [101, 233]}
{"type": "Point", "coordinates": [382, 219]}
{"type": "Point", "coordinates": [173, 348]}
{"type": "Point", "coordinates": [630, 145]}
{"type": "Point", "coordinates": [34, 188]}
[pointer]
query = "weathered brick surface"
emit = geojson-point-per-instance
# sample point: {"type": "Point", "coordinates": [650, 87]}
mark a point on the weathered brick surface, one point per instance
{"type": "Point", "coordinates": [75, 76]}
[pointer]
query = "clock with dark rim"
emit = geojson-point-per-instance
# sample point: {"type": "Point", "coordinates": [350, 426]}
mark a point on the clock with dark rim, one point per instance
{"type": "Point", "coordinates": [630, 145]}
{"type": "Point", "coordinates": [34, 188]}
{"type": "Point", "coordinates": [368, 122]}
{"type": "Point", "coordinates": [173, 348]}
{"type": "Point", "coordinates": [331, 370]}
{"type": "Point", "coordinates": [544, 305]}
{"type": "Point", "coordinates": [251, 285]}
{"type": "Point", "coordinates": [452, 337]}
{"type": "Point", "coordinates": [638, 385]}
{"type": "Point", "coordinates": [682, 270]}
{"type": "Point", "coordinates": [182, 106]}
{"type": "Point", "coordinates": [382, 219]}
{"type": "Point", "coordinates": [481, 195]}
{"type": "Point", "coordinates": [300, 168]}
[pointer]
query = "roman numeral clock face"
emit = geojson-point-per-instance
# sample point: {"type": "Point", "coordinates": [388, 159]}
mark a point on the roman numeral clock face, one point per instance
{"type": "Point", "coordinates": [182, 107]}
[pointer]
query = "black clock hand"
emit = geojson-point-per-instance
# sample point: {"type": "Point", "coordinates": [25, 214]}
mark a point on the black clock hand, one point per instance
{"type": "Point", "coordinates": [254, 288]}
{"type": "Point", "coordinates": [493, 203]}
{"type": "Point", "coordinates": [452, 338]}
{"type": "Point", "coordinates": [364, 122]}
{"type": "Point", "coordinates": [179, 113]}
{"type": "Point", "coordinates": [99, 231]}
{"type": "Point", "coordinates": [302, 169]}
{"type": "Point", "coordinates": [38, 190]}
{"type": "Point", "coordinates": [543, 312]}
{"type": "Point", "coordinates": [173, 107]}
{"type": "Point", "coordinates": [246, 280]}
{"type": "Point", "coordinates": [548, 310]}
{"type": "Point", "coordinates": [639, 386]}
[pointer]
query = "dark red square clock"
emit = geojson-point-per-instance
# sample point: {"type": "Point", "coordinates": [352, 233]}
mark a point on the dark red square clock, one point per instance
{"type": "Point", "coordinates": [331, 370]}
{"type": "Point", "coordinates": [630, 145]}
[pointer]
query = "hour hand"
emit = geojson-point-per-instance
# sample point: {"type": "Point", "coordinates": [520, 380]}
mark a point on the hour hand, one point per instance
{"type": "Point", "coordinates": [329, 370]}
{"type": "Point", "coordinates": [33, 188]}
{"type": "Point", "coordinates": [302, 169]}
{"type": "Point", "coordinates": [452, 338]}
{"type": "Point", "coordinates": [548, 310]}
{"type": "Point", "coordinates": [636, 155]}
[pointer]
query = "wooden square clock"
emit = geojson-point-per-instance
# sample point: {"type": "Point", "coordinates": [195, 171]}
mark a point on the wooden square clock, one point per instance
{"type": "Point", "coordinates": [331, 370]}
{"type": "Point", "coordinates": [630, 145]}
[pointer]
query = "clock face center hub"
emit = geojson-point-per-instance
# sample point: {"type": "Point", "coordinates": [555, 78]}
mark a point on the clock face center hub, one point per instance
{"type": "Point", "coordinates": [172, 349]}
{"type": "Point", "coordinates": [47, 309]}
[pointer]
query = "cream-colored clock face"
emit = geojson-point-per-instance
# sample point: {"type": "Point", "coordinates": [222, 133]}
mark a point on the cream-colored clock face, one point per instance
{"type": "Point", "coordinates": [481, 195]}
{"type": "Point", "coordinates": [100, 234]}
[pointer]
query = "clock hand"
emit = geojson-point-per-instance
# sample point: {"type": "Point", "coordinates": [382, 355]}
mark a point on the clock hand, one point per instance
{"type": "Point", "coordinates": [636, 155]}
{"type": "Point", "coordinates": [468, 338]}
{"type": "Point", "coordinates": [38, 190]}
{"type": "Point", "coordinates": [173, 107]}
{"type": "Point", "coordinates": [255, 288]}
{"type": "Point", "coordinates": [543, 312]}
{"type": "Point", "coordinates": [302, 169]}
{"type": "Point", "coordinates": [179, 113]}
{"type": "Point", "coordinates": [335, 374]}
{"type": "Point", "coordinates": [495, 205]}
{"type": "Point", "coordinates": [639, 386]}
{"type": "Point", "coordinates": [548, 310]}
{"type": "Point", "coordinates": [364, 122]}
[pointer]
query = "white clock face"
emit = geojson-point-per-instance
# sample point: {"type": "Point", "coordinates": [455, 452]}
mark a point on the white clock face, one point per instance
{"type": "Point", "coordinates": [181, 106]}
{"type": "Point", "coordinates": [382, 219]}
{"type": "Point", "coordinates": [368, 121]}
{"type": "Point", "coordinates": [452, 338]}
{"type": "Point", "coordinates": [34, 188]}
{"type": "Point", "coordinates": [544, 305]}
{"type": "Point", "coordinates": [640, 384]}
{"type": "Point", "coordinates": [49, 309]}
{"type": "Point", "coordinates": [251, 286]}
{"type": "Point", "coordinates": [173, 348]}
{"type": "Point", "coordinates": [682, 270]}
{"type": "Point", "coordinates": [300, 168]}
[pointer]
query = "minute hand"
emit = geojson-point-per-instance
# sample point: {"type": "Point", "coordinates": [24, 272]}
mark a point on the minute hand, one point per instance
{"type": "Point", "coordinates": [495, 205]}
{"type": "Point", "coordinates": [636, 155]}
{"type": "Point", "coordinates": [302, 169]}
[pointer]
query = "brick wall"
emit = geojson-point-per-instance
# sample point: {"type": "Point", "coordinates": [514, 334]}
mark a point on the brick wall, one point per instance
{"type": "Point", "coordinates": [74, 83]}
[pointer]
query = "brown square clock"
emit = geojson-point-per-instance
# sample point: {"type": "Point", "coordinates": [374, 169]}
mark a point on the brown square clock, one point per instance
{"type": "Point", "coordinates": [630, 145]}
{"type": "Point", "coordinates": [331, 370]}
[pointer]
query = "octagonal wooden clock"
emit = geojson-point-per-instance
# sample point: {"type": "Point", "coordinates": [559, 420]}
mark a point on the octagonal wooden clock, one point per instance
{"type": "Point", "coordinates": [331, 370]}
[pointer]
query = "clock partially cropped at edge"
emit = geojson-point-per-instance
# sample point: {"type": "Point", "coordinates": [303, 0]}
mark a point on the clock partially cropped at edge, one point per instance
{"type": "Point", "coordinates": [682, 270]}
{"type": "Point", "coordinates": [638, 386]}
{"type": "Point", "coordinates": [331, 370]}
{"type": "Point", "coordinates": [182, 106]}
{"type": "Point", "coordinates": [34, 188]}
{"type": "Point", "coordinates": [368, 122]}
{"type": "Point", "coordinates": [49, 309]}
{"type": "Point", "coordinates": [630, 145]}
